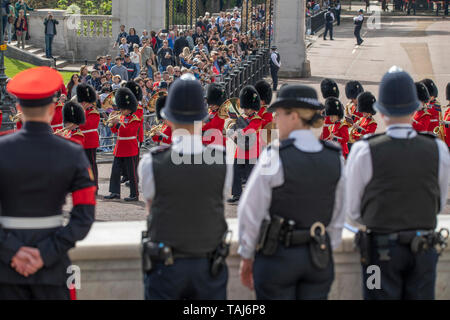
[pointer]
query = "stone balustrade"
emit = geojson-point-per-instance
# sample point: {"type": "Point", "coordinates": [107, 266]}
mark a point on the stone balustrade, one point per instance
{"type": "Point", "coordinates": [110, 264]}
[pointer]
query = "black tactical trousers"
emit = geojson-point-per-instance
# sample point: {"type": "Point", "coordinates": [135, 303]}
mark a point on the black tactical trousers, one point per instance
{"type": "Point", "coordinates": [92, 157]}
{"type": "Point", "coordinates": [33, 292]}
{"type": "Point", "coordinates": [328, 27]}
{"type": "Point", "coordinates": [357, 34]}
{"type": "Point", "coordinates": [128, 164]}
{"type": "Point", "coordinates": [241, 172]}
{"type": "Point", "coordinates": [274, 74]}
{"type": "Point", "coordinates": [405, 276]}
{"type": "Point", "coordinates": [290, 275]}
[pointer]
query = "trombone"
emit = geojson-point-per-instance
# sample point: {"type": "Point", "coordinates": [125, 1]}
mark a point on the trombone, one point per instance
{"type": "Point", "coordinates": [16, 118]}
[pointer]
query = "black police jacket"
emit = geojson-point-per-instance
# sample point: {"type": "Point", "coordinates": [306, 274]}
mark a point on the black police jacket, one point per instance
{"type": "Point", "coordinates": [37, 171]}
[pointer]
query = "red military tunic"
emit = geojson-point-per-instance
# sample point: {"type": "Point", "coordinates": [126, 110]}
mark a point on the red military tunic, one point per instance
{"type": "Point", "coordinates": [447, 127]}
{"type": "Point", "coordinates": [19, 125]}
{"type": "Point", "coordinates": [140, 114]}
{"type": "Point", "coordinates": [367, 126]}
{"type": "Point", "coordinates": [57, 121]}
{"type": "Point", "coordinates": [421, 120]}
{"type": "Point", "coordinates": [339, 132]}
{"type": "Point", "coordinates": [326, 128]}
{"type": "Point", "coordinates": [90, 127]}
{"type": "Point", "coordinates": [127, 131]}
{"type": "Point", "coordinates": [267, 119]}
{"type": "Point", "coordinates": [434, 108]}
{"type": "Point", "coordinates": [76, 136]}
{"type": "Point", "coordinates": [215, 124]}
{"type": "Point", "coordinates": [166, 135]}
{"type": "Point", "coordinates": [254, 126]}
{"type": "Point", "coordinates": [355, 114]}
{"type": "Point", "coordinates": [1, 118]}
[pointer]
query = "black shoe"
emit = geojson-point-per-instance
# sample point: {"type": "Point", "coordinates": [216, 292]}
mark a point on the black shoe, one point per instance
{"type": "Point", "coordinates": [112, 196]}
{"type": "Point", "coordinates": [324, 39]}
{"type": "Point", "coordinates": [361, 42]}
{"type": "Point", "coordinates": [129, 199]}
{"type": "Point", "coordinates": [127, 184]}
{"type": "Point", "coordinates": [233, 199]}
{"type": "Point", "coordinates": [123, 180]}
{"type": "Point", "coordinates": [331, 39]}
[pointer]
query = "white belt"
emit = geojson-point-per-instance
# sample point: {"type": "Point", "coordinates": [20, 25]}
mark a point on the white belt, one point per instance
{"type": "Point", "coordinates": [126, 138]}
{"type": "Point", "coordinates": [87, 131]}
{"type": "Point", "coordinates": [32, 223]}
{"type": "Point", "coordinates": [434, 120]}
{"type": "Point", "coordinates": [57, 125]}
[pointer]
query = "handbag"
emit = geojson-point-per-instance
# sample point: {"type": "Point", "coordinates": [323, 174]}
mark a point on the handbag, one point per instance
{"type": "Point", "coordinates": [19, 33]}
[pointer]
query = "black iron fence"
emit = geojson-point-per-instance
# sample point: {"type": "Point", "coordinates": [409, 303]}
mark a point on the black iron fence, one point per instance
{"type": "Point", "coordinates": [315, 22]}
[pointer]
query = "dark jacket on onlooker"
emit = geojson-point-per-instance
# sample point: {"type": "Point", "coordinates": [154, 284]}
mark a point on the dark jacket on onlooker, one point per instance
{"type": "Point", "coordinates": [55, 22]}
{"type": "Point", "coordinates": [131, 68]}
{"type": "Point", "coordinates": [134, 39]}
{"type": "Point", "coordinates": [179, 45]}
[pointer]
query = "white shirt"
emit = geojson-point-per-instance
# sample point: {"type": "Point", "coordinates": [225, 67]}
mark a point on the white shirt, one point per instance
{"type": "Point", "coordinates": [359, 170]}
{"type": "Point", "coordinates": [358, 18]}
{"type": "Point", "coordinates": [134, 57]}
{"type": "Point", "coordinates": [274, 58]}
{"type": "Point", "coordinates": [185, 144]}
{"type": "Point", "coordinates": [257, 196]}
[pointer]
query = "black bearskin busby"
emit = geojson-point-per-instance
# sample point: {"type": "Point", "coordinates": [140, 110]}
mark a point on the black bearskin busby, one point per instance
{"type": "Point", "coordinates": [249, 98]}
{"type": "Point", "coordinates": [215, 94]}
{"type": "Point", "coordinates": [264, 90]}
{"type": "Point", "coordinates": [353, 89]}
{"type": "Point", "coordinates": [135, 88]}
{"type": "Point", "coordinates": [431, 87]}
{"type": "Point", "coordinates": [85, 93]}
{"type": "Point", "coordinates": [447, 91]}
{"type": "Point", "coordinates": [422, 92]}
{"type": "Point", "coordinates": [160, 102]}
{"type": "Point", "coordinates": [333, 107]}
{"type": "Point", "coordinates": [365, 102]}
{"type": "Point", "coordinates": [329, 88]}
{"type": "Point", "coordinates": [126, 100]}
{"type": "Point", "coordinates": [73, 112]}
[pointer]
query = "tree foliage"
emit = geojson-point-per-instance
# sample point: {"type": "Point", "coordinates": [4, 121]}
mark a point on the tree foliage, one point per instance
{"type": "Point", "coordinates": [87, 6]}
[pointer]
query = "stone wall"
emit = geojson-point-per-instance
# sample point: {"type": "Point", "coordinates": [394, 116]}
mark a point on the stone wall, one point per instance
{"type": "Point", "coordinates": [110, 264]}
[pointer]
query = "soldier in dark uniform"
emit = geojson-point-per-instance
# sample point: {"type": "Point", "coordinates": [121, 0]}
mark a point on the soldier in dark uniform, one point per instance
{"type": "Point", "coordinates": [399, 182]}
{"type": "Point", "coordinates": [294, 201]}
{"type": "Point", "coordinates": [275, 64]}
{"type": "Point", "coordinates": [184, 188]}
{"type": "Point", "coordinates": [38, 169]}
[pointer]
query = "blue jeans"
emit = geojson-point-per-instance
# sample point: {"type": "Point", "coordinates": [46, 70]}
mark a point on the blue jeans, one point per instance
{"type": "Point", "coordinates": [106, 140]}
{"type": "Point", "coordinates": [149, 72]}
{"type": "Point", "coordinates": [48, 45]}
{"type": "Point", "coordinates": [162, 68]}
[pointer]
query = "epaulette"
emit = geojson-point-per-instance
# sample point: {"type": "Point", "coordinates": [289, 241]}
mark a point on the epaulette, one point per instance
{"type": "Point", "coordinates": [159, 149]}
{"type": "Point", "coordinates": [256, 117]}
{"type": "Point", "coordinates": [78, 133]}
{"type": "Point", "coordinates": [94, 111]}
{"type": "Point", "coordinates": [134, 118]}
{"type": "Point", "coordinates": [425, 112]}
{"type": "Point", "coordinates": [427, 134]}
{"type": "Point", "coordinates": [372, 135]}
{"type": "Point", "coordinates": [331, 146]}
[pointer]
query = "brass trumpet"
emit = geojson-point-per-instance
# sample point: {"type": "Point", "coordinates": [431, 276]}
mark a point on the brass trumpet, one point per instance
{"type": "Point", "coordinates": [62, 132]}
{"type": "Point", "coordinates": [113, 115]}
{"type": "Point", "coordinates": [155, 129]}
{"type": "Point", "coordinates": [16, 118]}
{"type": "Point", "coordinates": [439, 131]}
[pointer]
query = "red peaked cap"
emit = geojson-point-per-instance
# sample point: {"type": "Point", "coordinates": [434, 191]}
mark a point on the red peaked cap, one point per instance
{"type": "Point", "coordinates": [35, 87]}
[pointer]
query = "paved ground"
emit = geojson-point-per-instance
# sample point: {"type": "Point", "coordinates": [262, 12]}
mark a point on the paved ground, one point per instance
{"type": "Point", "coordinates": [419, 45]}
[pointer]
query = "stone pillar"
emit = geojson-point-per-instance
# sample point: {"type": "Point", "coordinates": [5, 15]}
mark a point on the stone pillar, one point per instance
{"type": "Point", "coordinates": [289, 37]}
{"type": "Point", "coordinates": [139, 14]}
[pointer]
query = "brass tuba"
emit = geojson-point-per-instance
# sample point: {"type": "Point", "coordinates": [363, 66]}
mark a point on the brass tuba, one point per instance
{"type": "Point", "coordinates": [151, 106]}
{"type": "Point", "coordinates": [439, 131]}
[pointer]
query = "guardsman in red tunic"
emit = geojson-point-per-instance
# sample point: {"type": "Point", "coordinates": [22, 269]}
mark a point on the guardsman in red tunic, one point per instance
{"type": "Point", "coordinates": [57, 120]}
{"type": "Point", "coordinates": [339, 129]}
{"type": "Point", "coordinates": [87, 97]}
{"type": "Point", "coordinates": [248, 146]}
{"type": "Point", "coordinates": [434, 107]}
{"type": "Point", "coordinates": [127, 148]}
{"type": "Point", "coordinates": [265, 92]}
{"type": "Point", "coordinates": [422, 117]}
{"type": "Point", "coordinates": [213, 127]}
{"type": "Point", "coordinates": [329, 88]}
{"type": "Point", "coordinates": [1, 118]}
{"type": "Point", "coordinates": [367, 124]}
{"type": "Point", "coordinates": [137, 91]}
{"type": "Point", "coordinates": [447, 116]}
{"type": "Point", "coordinates": [164, 135]}
{"type": "Point", "coordinates": [352, 90]}
{"type": "Point", "coordinates": [73, 117]}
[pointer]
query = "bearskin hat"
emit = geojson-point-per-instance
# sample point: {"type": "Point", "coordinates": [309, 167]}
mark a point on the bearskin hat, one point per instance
{"type": "Point", "coordinates": [160, 102]}
{"type": "Point", "coordinates": [126, 100]}
{"type": "Point", "coordinates": [215, 94]}
{"type": "Point", "coordinates": [329, 88]}
{"type": "Point", "coordinates": [353, 89]}
{"type": "Point", "coordinates": [447, 91]}
{"type": "Point", "coordinates": [365, 102]}
{"type": "Point", "coordinates": [135, 88]}
{"type": "Point", "coordinates": [431, 86]}
{"type": "Point", "coordinates": [333, 107]}
{"type": "Point", "coordinates": [73, 112]}
{"type": "Point", "coordinates": [249, 98]}
{"type": "Point", "coordinates": [422, 92]}
{"type": "Point", "coordinates": [264, 90]}
{"type": "Point", "coordinates": [85, 93]}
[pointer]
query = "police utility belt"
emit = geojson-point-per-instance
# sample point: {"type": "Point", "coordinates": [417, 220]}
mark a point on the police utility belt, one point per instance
{"type": "Point", "coordinates": [419, 241]}
{"type": "Point", "coordinates": [157, 252]}
{"type": "Point", "coordinates": [279, 230]}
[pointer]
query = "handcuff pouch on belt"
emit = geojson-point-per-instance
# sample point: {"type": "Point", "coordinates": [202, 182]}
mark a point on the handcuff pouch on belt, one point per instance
{"type": "Point", "coordinates": [219, 256]}
{"type": "Point", "coordinates": [154, 251]}
{"type": "Point", "coordinates": [319, 246]}
{"type": "Point", "coordinates": [362, 241]}
{"type": "Point", "coordinates": [427, 240]}
{"type": "Point", "coordinates": [270, 235]}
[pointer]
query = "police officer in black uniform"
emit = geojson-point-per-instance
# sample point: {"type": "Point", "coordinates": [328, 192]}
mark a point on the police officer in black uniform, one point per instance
{"type": "Point", "coordinates": [38, 169]}
{"type": "Point", "coordinates": [358, 21]}
{"type": "Point", "coordinates": [275, 64]}
{"type": "Point", "coordinates": [184, 184]}
{"type": "Point", "coordinates": [329, 19]}
{"type": "Point", "coordinates": [291, 212]}
{"type": "Point", "coordinates": [399, 183]}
